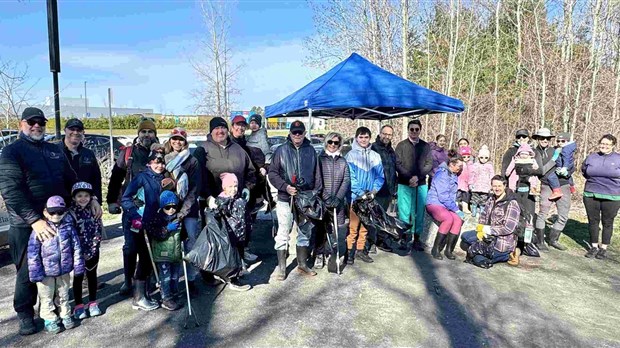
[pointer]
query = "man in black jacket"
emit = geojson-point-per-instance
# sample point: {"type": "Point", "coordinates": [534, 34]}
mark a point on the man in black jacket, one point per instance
{"type": "Point", "coordinates": [83, 161]}
{"type": "Point", "coordinates": [414, 162]}
{"type": "Point", "coordinates": [32, 171]}
{"type": "Point", "coordinates": [130, 162]}
{"type": "Point", "coordinates": [294, 167]}
{"type": "Point", "coordinates": [522, 136]}
{"type": "Point", "coordinates": [383, 146]}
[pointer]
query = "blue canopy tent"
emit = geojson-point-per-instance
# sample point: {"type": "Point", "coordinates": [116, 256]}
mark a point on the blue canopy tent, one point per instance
{"type": "Point", "coordinates": [358, 89]}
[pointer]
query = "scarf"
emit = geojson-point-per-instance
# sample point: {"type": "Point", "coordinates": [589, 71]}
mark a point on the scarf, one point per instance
{"type": "Point", "coordinates": [332, 154]}
{"type": "Point", "coordinates": [174, 160]}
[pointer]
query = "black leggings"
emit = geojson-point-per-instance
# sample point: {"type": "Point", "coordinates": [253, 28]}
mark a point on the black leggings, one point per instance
{"type": "Point", "coordinates": [91, 275]}
{"type": "Point", "coordinates": [597, 210]}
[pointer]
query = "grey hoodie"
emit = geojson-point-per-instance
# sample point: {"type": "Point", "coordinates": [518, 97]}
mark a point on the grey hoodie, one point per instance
{"type": "Point", "coordinates": [258, 139]}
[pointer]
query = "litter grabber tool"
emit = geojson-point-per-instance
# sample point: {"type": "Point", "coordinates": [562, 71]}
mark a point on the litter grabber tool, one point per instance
{"type": "Point", "coordinates": [190, 311]}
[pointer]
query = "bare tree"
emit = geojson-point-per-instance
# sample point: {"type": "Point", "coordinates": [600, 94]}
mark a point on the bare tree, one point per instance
{"type": "Point", "coordinates": [15, 88]}
{"type": "Point", "coordinates": [214, 67]}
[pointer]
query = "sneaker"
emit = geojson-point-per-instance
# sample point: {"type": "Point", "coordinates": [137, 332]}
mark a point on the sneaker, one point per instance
{"type": "Point", "coordinates": [592, 252]}
{"type": "Point", "coordinates": [79, 312]}
{"type": "Point", "coordinates": [372, 249]}
{"type": "Point", "coordinates": [68, 323]}
{"type": "Point", "coordinates": [362, 256]}
{"type": "Point", "coordinates": [93, 309]}
{"type": "Point", "coordinates": [170, 305]}
{"type": "Point", "coordinates": [602, 254]}
{"type": "Point", "coordinates": [51, 326]}
{"type": "Point", "coordinates": [235, 285]}
{"type": "Point", "coordinates": [27, 326]}
{"type": "Point", "coordinates": [248, 256]}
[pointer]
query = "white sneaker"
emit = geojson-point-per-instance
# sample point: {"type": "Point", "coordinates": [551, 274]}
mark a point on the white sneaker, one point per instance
{"type": "Point", "coordinates": [248, 256]}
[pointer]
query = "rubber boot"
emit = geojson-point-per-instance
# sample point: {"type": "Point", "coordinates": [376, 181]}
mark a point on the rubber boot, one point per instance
{"type": "Point", "coordinates": [139, 298]}
{"type": "Point", "coordinates": [281, 273]}
{"type": "Point", "coordinates": [350, 256]}
{"type": "Point", "coordinates": [540, 240]}
{"type": "Point", "coordinates": [450, 243]}
{"type": "Point", "coordinates": [554, 236]}
{"type": "Point", "coordinates": [417, 243]}
{"type": "Point", "coordinates": [474, 210]}
{"type": "Point", "coordinates": [302, 261]}
{"type": "Point", "coordinates": [129, 268]}
{"type": "Point", "coordinates": [439, 240]}
{"type": "Point", "coordinates": [465, 208]}
{"type": "Point", "coordinates": [556, 194]}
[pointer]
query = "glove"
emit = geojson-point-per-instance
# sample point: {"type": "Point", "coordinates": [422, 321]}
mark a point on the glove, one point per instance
{"type": "Point", "coordinates": [556, 153]}
{"type": "Point", "coordinates": [461, 215]}
{"type": "Point", "coordinates": [114, 208]}
{"type": "Point", "coordinates": [562, 171]}
{"type": "Point", "coordinates": [136, 224]}
{"type": "Point", "coordinates": [332, 202]}
{"type": "Point", "coordinates": [245, 194]}
{"type": "Point", "coordinates": [211, 203]}
{"type": "Point", "coordinates": [173, 226]}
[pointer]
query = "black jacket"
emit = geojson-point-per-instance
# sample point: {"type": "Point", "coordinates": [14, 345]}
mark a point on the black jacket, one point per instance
{"type": "Point", "coordinates": [31, 172]}
{"type": "Point", "coordinates": [336, 180]}
{"type": "Point", "coordinates": [413, 161]}
{"type": "Point", "coordinates": [388, 158]}
{"type": "Point", "coordinates": [507, 158]}
{"type": "Point", "coordinates": [189, 207]}
{"type": "Point", "coordinates": [122, 175]}
{"type": "Point", "coordinates": [85, 166]}
{"type": "Point", "coordinates": [216, 160]}
{"type": "Point", "coordinates": [296, 167]}
{"type": "Point", "coordinates": [548, 164]}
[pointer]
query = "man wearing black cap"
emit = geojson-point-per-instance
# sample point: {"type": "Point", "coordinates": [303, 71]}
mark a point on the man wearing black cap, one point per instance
{"type": "Point", "coordinates": [82, 160]}
{"type": "Point", "coordinates": [522, 136]}
{"type": "Point", "coordinates": [32, 171]}
{"type": "Point", "coordinates": [221, 155]}
{"type": "Point", "coordinates": [294, 168]}
{"type": "Point", "coordinates": [130, 162]}
{"type": "Point", "coordinates": [258, 138]}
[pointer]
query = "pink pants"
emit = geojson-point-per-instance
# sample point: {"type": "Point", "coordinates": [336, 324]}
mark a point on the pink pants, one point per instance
{"type": "Point", "coordinates": [448, 220]}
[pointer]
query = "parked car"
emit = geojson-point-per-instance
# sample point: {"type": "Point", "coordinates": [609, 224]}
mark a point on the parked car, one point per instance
{"type": "Point", "coordinates": [316, 143]}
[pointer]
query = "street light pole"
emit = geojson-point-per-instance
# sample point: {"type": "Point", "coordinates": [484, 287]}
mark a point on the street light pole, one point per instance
{"type": "Point", "coordinates": [54, 48]}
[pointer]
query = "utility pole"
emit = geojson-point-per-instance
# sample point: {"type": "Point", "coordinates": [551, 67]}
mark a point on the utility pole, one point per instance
{"type": "Point", "coordinates": [54, 48]}
{"type": "Point", "coordinates": [85, 101]}
{"type": "Point", "coordinates": [110, 121]}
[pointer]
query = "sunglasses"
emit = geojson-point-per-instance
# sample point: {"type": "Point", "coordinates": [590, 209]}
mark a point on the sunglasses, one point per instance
{"type": "Point", "coordinates": [158, 160]}
{"type": "Point", "coordinates": [562, 141]}
{"type": "Point", "coordinates": [297, 133]}
{"type": "Point", "coordinates": [522, 137]}
{"type": "Point", "coordinates": [56, 213]}
{"type": "Point", "coordinates": [147, 131]}
{"type": "Point", "coordinates": [414, 129]}
{"type": "Point", "coordinates": [40, 122]}
{"type": "Point", "coordinates": [483, 158]}
{"type": "Point", "coordinates": [179, 132]}
{"type": "Point", "coordinates": [333, 142]}
{"type": "Point", "coordinates": [170, 207]}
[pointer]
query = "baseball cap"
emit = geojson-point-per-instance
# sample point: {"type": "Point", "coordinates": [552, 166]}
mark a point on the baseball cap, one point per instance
{"type": "Point", "coordinates": [74, 122]}
{"type": "Point", "coordinates": [239, 119]}
{"type": "Point", "coordinates": [522, 133]}
{"type": "Point", "coordinates": [31, 112]}
{"type": "Point", "coordinates": [563, 136]}
{"type": "Point", "coordinates": [297, 126]}
{"type": "Point", "coordinates": [55, 204]}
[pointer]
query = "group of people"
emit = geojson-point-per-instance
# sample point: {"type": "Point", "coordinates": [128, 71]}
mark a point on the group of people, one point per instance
{"type": "Point", "coordinates": [52, 193]}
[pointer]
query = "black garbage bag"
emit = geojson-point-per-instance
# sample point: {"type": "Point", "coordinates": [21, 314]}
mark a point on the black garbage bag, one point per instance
{"type": "Point", "coordinates": [310, 205]}
{"type": "Point", "coordinates": [213, 251]}
{"type": "Point", "coordinates": [372, 215]}
{"type": "Point", "coordinates": [231, 211]}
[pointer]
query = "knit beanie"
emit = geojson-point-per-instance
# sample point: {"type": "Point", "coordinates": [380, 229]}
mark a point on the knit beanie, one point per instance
{"type": "Point", "coordinates": [484, 151]}
{"type": "Point", "coordinates": [217, 122]}
{"type": "Point", "coordinates": [228, 179]}
{"type": "Point", "coordinates": [257, 118]}
{"type": "Point", "coordinates": [525, 148]}
{"type": "Point", "coordinates": [168, 198]}
{"type": "Point", "coordinates": [465, 151]}
{"type": "Point", "coordinates": [147, 123]}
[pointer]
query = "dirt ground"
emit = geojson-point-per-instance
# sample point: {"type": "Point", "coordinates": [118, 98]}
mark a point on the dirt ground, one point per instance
{"type": "Point", "coordinates": [559, 300]}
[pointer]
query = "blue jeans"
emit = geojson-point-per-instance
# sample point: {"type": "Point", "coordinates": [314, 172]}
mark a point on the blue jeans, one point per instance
{"type": "Point", "coordinates": [169, 278]}
{"type": "Point", "coordinates": [192, 226]}
{"type": "Point", "coordinates": [468, 238]}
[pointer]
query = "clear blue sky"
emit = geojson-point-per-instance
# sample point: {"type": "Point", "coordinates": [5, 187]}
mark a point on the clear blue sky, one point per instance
{"type": "Point", "coordinates": [141, 49]}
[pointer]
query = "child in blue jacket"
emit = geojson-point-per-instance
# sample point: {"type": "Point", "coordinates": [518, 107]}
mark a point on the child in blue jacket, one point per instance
{"type": "Point", "coordinates": [564, 157]}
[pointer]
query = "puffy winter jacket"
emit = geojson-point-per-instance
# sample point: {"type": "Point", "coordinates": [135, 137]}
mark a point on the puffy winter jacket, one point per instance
{"type": "Point", "coordinates": [336, 179]}
{"type": "Point", "coordinates": [602, 173]}
{"type": "Point", "coordinates": [443, 189]}
{"type": "Point", "coordinates": [30, 173]}
{"type": "Point", "coordinates": [439, 154]}
{"type": "Point", "coordinates": [88, 228]}
{"type": "Point", "coordinates": [258, 140]}
{"type": "Point", "coordinates": [217, 159]}
{"type": "Point", "coordinates": [85, 165]}
{"type": "Point", "coordinates": [480, 176]}
{"type": "Point", "coordinates": [56, 256]}
{"type": "Point", "coordinates": [413, 160]}
{"type": "Point", "coordinates": [366, 170]}
{"type": "Point", "coordinates": [124, 172]}
{"type": "Point", "coordinates": [507, 159]}
{"type": "Point", "coordinates": [566, 160]}
{"type": "Point", "coordinates": [151, 183]}
{"type": "Point", "coordinates": [503, 217]}
{"type": "Point", "coordinates": [388, 160]}
{"type": "Point", "coordinates": [296, 167]}
{"type": "Point", "coordinates": [464, 177]}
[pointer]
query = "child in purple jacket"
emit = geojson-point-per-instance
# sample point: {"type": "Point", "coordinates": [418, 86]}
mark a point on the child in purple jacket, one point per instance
{"type": "Point", "coordinates": [50, 263]}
